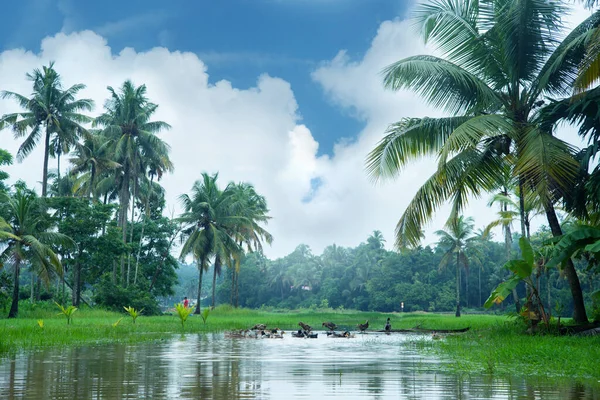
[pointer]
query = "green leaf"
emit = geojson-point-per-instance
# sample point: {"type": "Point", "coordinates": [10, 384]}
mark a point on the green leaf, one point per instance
{"type": "Point", "coordinates": [502, 291]}
{"type": "Point", "coordinates": [593, 248]}
{"type": "Point", "coordinates": [521, 268]}
{"type": "Point", "coordinates": [526, 251]}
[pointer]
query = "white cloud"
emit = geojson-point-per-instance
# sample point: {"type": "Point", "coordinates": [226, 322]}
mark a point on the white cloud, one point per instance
{"type": "Point", "coordinates": [253, 135]}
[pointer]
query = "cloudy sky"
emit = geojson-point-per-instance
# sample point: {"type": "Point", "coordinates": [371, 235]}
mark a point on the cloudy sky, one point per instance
{"type": "Point", "coordinates": [284, 94]}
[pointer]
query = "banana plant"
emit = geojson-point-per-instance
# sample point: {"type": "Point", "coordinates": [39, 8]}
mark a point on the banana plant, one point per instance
{"type": "Point", "coordinates": [522, 270]}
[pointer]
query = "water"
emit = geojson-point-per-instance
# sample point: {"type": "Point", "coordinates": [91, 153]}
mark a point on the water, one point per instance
{"type": "Point", "coordinates": [214, 367]}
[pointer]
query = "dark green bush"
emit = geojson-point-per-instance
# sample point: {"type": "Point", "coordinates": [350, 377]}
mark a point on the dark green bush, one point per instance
{"type": "Point", "coordinates": [115, 297]}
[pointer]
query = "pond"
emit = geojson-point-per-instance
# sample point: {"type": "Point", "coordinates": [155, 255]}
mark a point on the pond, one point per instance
{"type": "Point", "coordinates": [198, 366]}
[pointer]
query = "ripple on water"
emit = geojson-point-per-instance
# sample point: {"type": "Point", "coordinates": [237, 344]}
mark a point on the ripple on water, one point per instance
{"type": "Point", "coordinates": [210, 366]}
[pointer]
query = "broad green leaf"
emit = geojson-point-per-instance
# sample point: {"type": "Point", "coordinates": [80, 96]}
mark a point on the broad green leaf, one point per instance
{"type": "Point", "coordinates": [526, 251]}
{"type": "Point", "coordinates": [520, 267]}
{"type": "Point", "coordinates": [502, 291]}
{"type": "Point", "coordinates": [593, 248]}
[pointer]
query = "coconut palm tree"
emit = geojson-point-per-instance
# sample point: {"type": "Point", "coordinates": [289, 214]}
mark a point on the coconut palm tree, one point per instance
{"type": "Point", "coordinates": [92, 158]}
{"type": "Point", "coordinates": [27, 240]}
{"type": "Point", "coordinates": [50, 112]}
{"type": "Point", "coordinates": [455, 241]}
{"type": "Point", "coordinates": [127, 122]}
{"type": "Point", "coordinates": [500, 61]}
{"type": "Point", "coordinates": [209, 220]}
{"type": "Point", "coordinates": [250, 233]}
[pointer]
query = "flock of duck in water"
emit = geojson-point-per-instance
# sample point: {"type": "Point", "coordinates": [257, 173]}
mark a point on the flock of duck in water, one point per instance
{"type": "Point", "coordinates": [260, 331]}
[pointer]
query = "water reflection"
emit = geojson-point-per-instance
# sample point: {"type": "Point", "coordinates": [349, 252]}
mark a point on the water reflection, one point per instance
{"type": "Point", "coordinates": [210, 366]}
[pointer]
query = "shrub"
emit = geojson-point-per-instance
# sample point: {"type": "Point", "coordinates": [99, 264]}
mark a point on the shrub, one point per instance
{"type": "Point", "coordinates": [115, 298]}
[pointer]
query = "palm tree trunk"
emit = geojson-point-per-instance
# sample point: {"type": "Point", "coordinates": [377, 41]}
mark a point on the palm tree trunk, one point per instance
{"type": "Point", "coordinates": [548, 288]}
{"type": "Point", "coordinates": [131, 231]}
{"type": "Point", "coordinates": [480, 303]}
{"type": "Point", "coordinates": [467, 287]}
{"type": "Point", "coordinates": [91, 184]}
{"type": "Point", "coordinates": [201, 271]}
{"type": "Point", "coordinates": [579, 314]}
{"type": "Point", "coordinates": [232, 286]}
{"type": "Point", "coordinates": [217, 267]}
{"type": "Point", "coordinates": [14, 307]}
{"type": "Point", "coordinates": [58, 164]}
{"type": "Point", "coordinates": [46, 154]}
{"type": "Point", "coordinates": [147, 214]}
{"type": "Point", "coordinates": [32, 290]}
{"type": "Point", "coordinates": [124, 200]}
{"type": "Point", "coordinates": [457, 286]}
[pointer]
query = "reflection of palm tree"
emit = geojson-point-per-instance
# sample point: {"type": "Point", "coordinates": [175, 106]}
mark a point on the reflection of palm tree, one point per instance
{"type": "Point", "coordinates": [455, 241]}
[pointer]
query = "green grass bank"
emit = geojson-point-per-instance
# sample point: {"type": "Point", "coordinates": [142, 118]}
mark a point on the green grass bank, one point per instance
{"type": "Point", "coordinates": [495, 345]}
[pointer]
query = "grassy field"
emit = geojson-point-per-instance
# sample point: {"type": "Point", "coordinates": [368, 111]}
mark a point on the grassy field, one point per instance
{"type": "Point", "coordinates": [495, 344]}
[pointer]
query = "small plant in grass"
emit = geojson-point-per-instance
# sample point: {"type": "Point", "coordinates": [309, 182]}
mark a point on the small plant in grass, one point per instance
{"type": "Point", "coordinates": [183, 313]}
{"type": "Point", "coordinates": [41, 323]}
{"type": "Point", "coordinates": [115, 324]}
{"type": "Point", "coordinates": [133, 312]}
{"type": "Point", "coordinates": [67, 312]}
{"type": "Point", "coordinates": [204, 315]}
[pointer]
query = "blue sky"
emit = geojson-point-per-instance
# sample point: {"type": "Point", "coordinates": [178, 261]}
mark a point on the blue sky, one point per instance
{"type": "Point", "coordinates": [238, 39]}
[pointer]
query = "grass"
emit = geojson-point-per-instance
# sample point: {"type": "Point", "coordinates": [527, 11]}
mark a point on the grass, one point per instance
{"type": "Point", "coordinates": [495, 345]}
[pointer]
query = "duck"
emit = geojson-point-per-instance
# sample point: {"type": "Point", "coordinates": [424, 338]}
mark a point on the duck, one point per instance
{"type": "Point", "coordinates": [259, 327]}
{"type": "Point", "coordinates": [304, 326]}
{"type": "Point", "coordinates": [388, 326]}
{"type": "Point", "coordinates": [298, 334]}
{"type": "Point", "coordinates": [329, 325]}
{"type": "Point", "coordinates": [346, 334]}
{"type": "Point", "coordinates": [363, 327]}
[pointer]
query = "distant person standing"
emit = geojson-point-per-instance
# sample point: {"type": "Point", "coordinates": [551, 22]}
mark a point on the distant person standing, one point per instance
{"type": "Point", "coordinates": [186, 302]}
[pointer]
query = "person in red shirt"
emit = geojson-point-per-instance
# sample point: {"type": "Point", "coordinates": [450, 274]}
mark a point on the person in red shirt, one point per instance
{"type": "Point", "coordinates": [186, 303]}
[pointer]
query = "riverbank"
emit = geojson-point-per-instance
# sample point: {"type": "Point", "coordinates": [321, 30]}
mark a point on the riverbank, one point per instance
{"type": "Point", "coordinates": [495, 345]}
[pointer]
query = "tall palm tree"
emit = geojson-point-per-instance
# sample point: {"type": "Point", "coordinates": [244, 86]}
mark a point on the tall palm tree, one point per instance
{"type": "Point", "coordinates": [127, 121]}
{"type": "Point", "coordinates": [155, 168]}
{"type": "Point", "coordinates": [92, 158]}
{"type": "Point", "coordinates": [456, 240]}
{"type": "Point", "coordinates": [253, 207]}
{"type": "Point", "coordinates": [26, 239]}
{"type": "Point", "coordinates": [500, 61]}
{"type": "Point", "coordinates": [51, 111]}
{"type": "Point", "coordinates": [209, 220]}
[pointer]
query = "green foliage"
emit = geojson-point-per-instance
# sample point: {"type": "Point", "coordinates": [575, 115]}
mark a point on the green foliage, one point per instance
{"type": "Point", "coordinates": [596, 305]}
{"type": "Point", "coordinates": [184, 312]}
{"type": "Point", "coordinates": [5, 159]}
{"type": "Point", "coordinates": [133, 313]}
{"type": "Point", "coordinates": [67, 312]}
{"type": "Point", "coordinates": [204, 314]}
{"type": "Point", "coordinates": [115, 297]}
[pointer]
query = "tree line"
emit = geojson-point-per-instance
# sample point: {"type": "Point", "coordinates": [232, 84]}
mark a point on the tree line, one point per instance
{"type": "Point", "coordinates": [101, 227]}
{"type": "Point", "coordinates": [507, 77]}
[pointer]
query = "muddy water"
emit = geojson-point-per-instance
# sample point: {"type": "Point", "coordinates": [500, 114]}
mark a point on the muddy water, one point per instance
{"type": "Point", "coordinates": [214, 367]}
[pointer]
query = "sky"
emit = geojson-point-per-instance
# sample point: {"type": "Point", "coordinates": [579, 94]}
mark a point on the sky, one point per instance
{"type": "Point", "coordinates": [284, 94]}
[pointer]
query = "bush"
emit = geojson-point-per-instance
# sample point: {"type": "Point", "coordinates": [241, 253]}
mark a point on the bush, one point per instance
{"type": "Point", "coordinates": [115, 298]}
